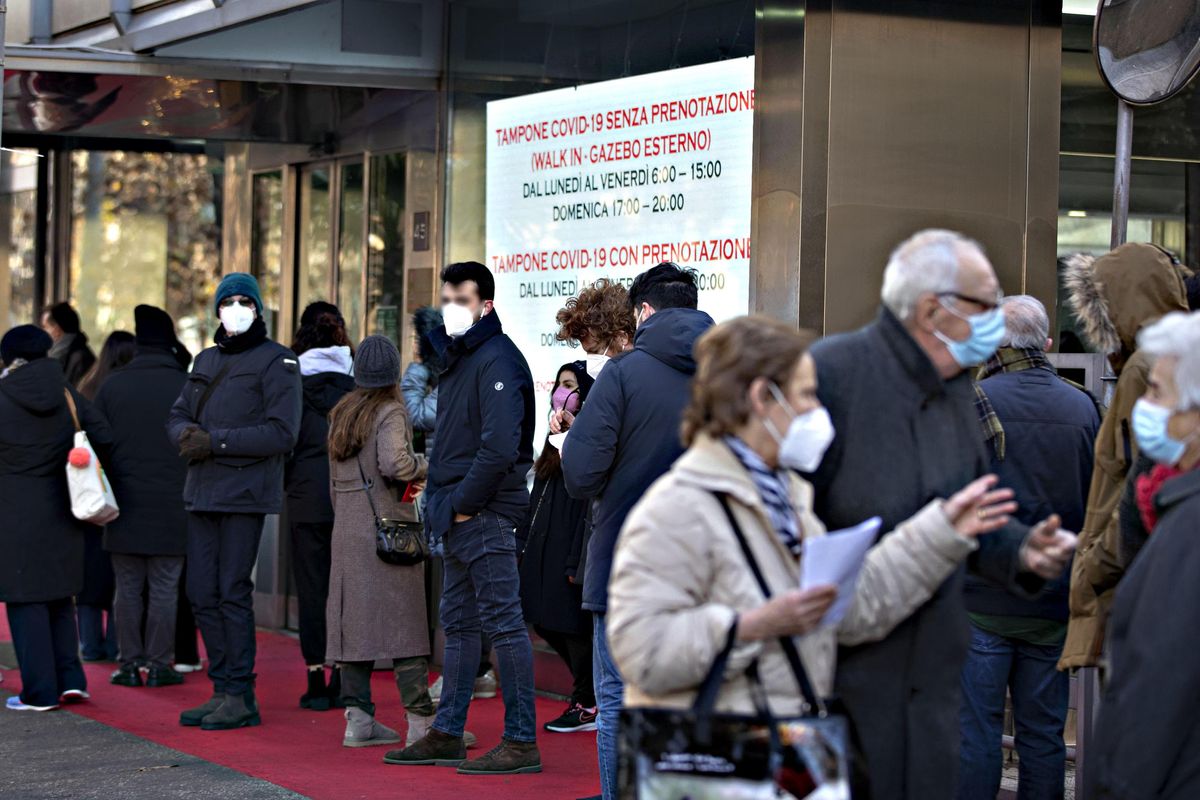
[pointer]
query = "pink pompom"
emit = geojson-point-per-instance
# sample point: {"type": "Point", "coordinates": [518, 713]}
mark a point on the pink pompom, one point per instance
{"type": "Point", "coordinates": [79, 457]}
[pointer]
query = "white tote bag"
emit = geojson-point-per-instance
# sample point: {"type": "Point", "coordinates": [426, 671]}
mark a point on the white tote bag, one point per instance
{"type": "Point", "coordinates": [92, 498]}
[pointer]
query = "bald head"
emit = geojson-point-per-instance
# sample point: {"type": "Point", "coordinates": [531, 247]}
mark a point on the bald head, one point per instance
{"type": "Point", "coordinates": [1027, 322]}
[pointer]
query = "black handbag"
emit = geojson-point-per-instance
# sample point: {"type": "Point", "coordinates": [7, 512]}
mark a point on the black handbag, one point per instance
{"type": "Point", "coordinates": [697, 754]}
{"type": "Point", "coordinates": [397, 542]}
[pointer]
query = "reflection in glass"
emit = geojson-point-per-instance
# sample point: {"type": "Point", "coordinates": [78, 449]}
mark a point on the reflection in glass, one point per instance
{"type": "Point", "coordinates": [315, 219]}
{"type": "Point", "coordinates": [1148, 50]}
{"type": "Point", "coordinates": [266, 247]}
{"type": "Point", "coordinates": [18, 211]}
{"type": "Point", "coordinates": [385, 246]}
{"type": "Point", "coordinates": [144, 230]}
{"type": "Point", "coordinates": [350, 249]}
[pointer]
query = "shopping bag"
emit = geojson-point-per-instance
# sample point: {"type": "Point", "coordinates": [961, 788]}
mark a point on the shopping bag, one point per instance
{"type": "Point", "coordinates": [92, 498]}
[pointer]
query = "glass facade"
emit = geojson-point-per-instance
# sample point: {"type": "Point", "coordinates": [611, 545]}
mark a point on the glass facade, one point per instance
{"type": "Point", "coordinates": [144, 229]}
{"type": "Point", "coordinates": [18, 246]}
{"type": "Point", "coordinates": [266, 247]}
{"type": "Point", "coordinates": [385, 246]}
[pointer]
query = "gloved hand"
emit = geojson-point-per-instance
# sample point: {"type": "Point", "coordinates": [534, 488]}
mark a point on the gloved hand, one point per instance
{"type": "Point", "coordinates": [195, 444]}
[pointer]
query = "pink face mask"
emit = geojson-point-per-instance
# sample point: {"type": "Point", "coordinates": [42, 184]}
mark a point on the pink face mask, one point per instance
{"type": "Point", "coordinates": [566, 398]}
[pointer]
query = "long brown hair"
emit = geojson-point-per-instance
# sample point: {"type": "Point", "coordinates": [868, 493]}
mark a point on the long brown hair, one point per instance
{"type": "Point", "coordinates": [119, 349]}
{"type": "Point", "coordinates": [728, 359]}
{"type": "Point", "coordinates": [353, 419]}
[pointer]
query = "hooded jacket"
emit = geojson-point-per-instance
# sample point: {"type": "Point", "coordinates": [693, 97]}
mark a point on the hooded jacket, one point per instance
{"type": "Point", "coordinates": [41, 542]}
{"type": "Point", "coordinates": [627, 435]}
{"type": "Point", "coordinates": [326, 378]}
{"type": "Point", "coordinates": [485, 422]}
{"type": "Point", "coordinates": [1113, 297]}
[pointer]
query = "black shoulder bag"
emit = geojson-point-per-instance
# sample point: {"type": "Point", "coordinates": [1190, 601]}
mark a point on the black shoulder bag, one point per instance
{"type": "Point", "coordinates": [397, 542]}
{"type": "Point", "coordinates": [669, 754]}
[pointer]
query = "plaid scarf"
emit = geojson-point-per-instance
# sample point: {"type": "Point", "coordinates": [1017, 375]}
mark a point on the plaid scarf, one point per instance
{"type": "Point", "coordinates": [1006, 359]}
{"type": "Point", "coordinates": [773, 488]}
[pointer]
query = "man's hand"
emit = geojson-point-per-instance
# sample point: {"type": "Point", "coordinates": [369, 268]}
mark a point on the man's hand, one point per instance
{"type": "Point", "coordinates": [195, 444]}
{"type": "Point", "coordinates": [561, 420]}
{"type": "Point", "coordinates": [463, 518]}
{"type": "Point", "coordinates": [1047, 549]}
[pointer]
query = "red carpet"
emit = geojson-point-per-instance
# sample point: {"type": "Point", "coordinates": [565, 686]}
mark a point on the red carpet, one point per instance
{"type": "Point", "coordinates": [302, 750]}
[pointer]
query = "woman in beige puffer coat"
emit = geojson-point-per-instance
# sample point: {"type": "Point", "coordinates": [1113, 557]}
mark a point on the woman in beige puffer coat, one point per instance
{"type": "Point", "coordinates": [680, 581]}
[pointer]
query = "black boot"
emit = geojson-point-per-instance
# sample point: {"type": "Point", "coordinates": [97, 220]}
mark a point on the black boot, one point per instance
{"type": "Point", "coordinates": [317, 696]}
{"type": "Point", "coordinates": [335, 689]}
{"type": "Point", "coordinates": [238, 711]}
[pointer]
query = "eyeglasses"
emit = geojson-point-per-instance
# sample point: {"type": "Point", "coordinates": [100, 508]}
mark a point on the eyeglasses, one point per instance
{"type": "Point", "coordinates": [987, 305]}
{"type": "Point", "coordinates": [229, 302]}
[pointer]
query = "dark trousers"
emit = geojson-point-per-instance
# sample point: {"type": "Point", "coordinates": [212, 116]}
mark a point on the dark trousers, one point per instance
{"type": "Point", "coordinates": [94, 604]}
{"type": "Point", "coordinates": [158, 577]}
{"type": "Point", "coordinates": [222, 549]}
{"type": "Point", "coordinates": [47, 648]}
{"type": "Point", "coordinates": [576, 650]}
{"type": "Point", "coordinates": [1040, 695]}
{"type": "Point", "coordinates": [412, 679]}
{"type": "Point", "coordinates": [187, 651]}
{"type": "Point", "coordinates": [482, 595]}
{"type": "Point", "coordinates": [310, 566]}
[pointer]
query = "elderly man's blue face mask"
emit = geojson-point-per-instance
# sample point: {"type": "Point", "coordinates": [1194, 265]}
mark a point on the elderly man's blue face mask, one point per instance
{"type": "Point", "coordinates": [987, 332]}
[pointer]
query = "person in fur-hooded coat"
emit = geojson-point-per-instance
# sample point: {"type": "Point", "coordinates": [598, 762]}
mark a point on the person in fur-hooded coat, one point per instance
{"type": "Point", "coordinates": [1113, 297]}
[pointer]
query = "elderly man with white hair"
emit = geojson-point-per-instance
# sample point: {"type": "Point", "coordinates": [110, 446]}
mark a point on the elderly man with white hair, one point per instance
{"type": "Point", "coordinates": [1145, 741]}
{"type": "Point", "coordinates": [1044, 453]}
{"type": "Point", "coordinates": [903, 404]}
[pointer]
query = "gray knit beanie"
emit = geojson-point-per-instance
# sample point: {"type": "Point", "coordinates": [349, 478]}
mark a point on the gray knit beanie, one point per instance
{"type": "Point", "coordinates": [377, 363]}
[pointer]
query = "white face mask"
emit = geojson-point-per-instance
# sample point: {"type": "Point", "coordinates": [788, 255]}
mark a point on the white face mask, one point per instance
{"type": "Point", "coordinates": [236, 318]}
{"type": "Point", "coordinates": [458, 319]}
{"type": "Point", "coordinates": [808, 436]}
{"type": "Point", "coordinates": [595, 362]}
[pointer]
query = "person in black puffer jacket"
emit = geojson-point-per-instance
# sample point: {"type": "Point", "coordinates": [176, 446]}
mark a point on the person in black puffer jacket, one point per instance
{"type": "Point", "coordinates": [149, 540]}
{"type": "Point", "coordinates": [326, 369]}
{"type": "Point", "coordinates": [42, 543]}
{"type": "Point", "coordinates": [235, 421]}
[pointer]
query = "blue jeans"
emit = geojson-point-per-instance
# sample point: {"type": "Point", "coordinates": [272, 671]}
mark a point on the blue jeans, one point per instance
{"type": "Point", "coordinates": [1040, 694]}
{"type": "Point", "coordinates": [610, 694]}
{"type": "Point", "coordinates": [481, 593]}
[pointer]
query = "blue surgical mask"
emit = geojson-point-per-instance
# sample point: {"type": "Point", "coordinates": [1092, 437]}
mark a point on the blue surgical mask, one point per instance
{"type": "Point", "coordinates": [1150, 428]}
{"type": "Point", "coordinates": [987, 332]}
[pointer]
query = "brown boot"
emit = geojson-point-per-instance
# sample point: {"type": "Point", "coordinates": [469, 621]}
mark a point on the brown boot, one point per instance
{"type": "Point", "coordinates": [507, 758]}
{"type": "Point", "coordinates": [437, 749]}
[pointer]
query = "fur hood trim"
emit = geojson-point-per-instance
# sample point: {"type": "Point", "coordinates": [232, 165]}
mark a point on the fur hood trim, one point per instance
{"type": "Point", "coordinates": [1085, 295]}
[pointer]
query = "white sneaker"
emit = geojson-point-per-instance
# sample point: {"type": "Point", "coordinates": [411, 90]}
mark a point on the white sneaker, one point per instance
{"type": "Point", "coordinates": [14, 704]}
{"type": "Point", "coordinates": [486, 685]}
{"type": "Point", "coordinates": [71, 696]}
{"type": "Point", "coordinates": [186, 668]}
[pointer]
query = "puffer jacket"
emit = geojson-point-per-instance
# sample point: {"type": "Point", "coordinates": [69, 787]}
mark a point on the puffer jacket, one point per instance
{"type": "Point", "coordinates": [680, 579]}
{"type": "Point", "coordinates": [1113, 297]}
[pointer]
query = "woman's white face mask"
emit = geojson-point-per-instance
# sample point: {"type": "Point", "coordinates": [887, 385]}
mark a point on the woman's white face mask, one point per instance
{"type": "Point", "coordinates": [807, 438]}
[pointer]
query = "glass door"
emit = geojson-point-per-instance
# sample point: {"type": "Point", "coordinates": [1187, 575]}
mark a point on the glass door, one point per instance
{"type": "Point", "coordinates": [315, 267]}
{"type": "Point", "coordinates": [266, 244]}
{"type": "Point", "coordinates": [351, 235]}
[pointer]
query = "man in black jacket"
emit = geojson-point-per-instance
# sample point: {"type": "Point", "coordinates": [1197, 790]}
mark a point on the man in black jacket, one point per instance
{"type": "Point", "coordinates": [903, 404]}
{"type": "Point", "coordinates": [477, 497]}
{"type": "Point", "coordinates": [235, 421]}
{"type": "Point", "coordinates": [625, 437]}
{"type": "Point", "coordinates": [1045, 456]}
{"type": "Point", "coordinates": [149, 540]}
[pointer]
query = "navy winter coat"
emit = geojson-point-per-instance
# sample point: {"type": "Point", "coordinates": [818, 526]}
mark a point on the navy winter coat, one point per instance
{"type": "Point", "coordinates": [1050, 437]}
{"type": "Point", "coordinates": [253, 417]}
{"type": "Point", "coordinates": [627, 434]}
{"type": "Point", "coordinates": [485, 422]}
{"type": "Point", "coordinates": [147, 473]}
{"type": "Point", "coordinates": [41, 543]}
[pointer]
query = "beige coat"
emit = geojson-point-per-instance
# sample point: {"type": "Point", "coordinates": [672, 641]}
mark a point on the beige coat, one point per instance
{"type": "Point", "coordinates": [679, 579]}
{"type": "Point", "coordinates": [375, 610]}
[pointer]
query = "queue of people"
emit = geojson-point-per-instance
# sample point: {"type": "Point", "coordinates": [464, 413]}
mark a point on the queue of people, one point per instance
{"type": "Point", "coordinates": [689, 467]}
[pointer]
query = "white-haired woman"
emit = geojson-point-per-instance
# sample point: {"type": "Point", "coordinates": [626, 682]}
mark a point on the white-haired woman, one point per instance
{"type": "Point", "coordinates": [1147, 736]}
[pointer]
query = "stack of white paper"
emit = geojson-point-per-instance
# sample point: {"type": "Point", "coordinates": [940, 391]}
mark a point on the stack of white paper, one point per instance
{"type": "Point", "coordinates": [836, 559]}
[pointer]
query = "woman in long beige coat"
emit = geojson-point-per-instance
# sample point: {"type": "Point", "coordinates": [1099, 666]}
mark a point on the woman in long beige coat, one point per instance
{"type": "Point", "coordinates": [680, 582]}
{"type": "Point", "coordinates": [375, 610]}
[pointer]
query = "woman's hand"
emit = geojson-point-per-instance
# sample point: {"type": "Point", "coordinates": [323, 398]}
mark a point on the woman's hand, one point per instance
{"type": "Point", "coordinates": [980, 508]}
{"type": "Point", "coordinates": [561, 420]}
{"type": "Point", "coordinates": [790, 614]}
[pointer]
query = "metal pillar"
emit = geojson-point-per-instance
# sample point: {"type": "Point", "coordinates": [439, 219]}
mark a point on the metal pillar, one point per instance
{"type": "Point", "coordinates": [1124, 157]}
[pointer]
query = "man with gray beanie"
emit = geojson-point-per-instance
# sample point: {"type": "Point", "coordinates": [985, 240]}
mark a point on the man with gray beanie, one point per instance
{"type": "Point", "coordinates": [235, 421]}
